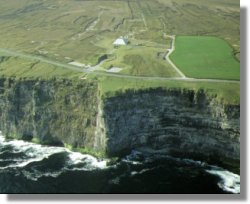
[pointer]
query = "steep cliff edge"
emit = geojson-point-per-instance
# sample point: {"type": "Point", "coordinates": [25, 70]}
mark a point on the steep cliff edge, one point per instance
{"type": "Point", "coordinates": [177, 122]}
{"type": "Point", "coordinates": [53, 112]}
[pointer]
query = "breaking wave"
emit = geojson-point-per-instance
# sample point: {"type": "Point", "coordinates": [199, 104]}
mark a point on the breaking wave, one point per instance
{"type": "Point", "coordinates": [33, 159]}
{"type": "Point", "coordinates": [45, 165]}
{"type": "Point", "coordinates": [229, 182]}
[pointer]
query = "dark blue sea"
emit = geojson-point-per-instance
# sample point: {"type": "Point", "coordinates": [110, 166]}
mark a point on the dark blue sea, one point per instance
{"type": "Point", "coordinates": [31, 168]}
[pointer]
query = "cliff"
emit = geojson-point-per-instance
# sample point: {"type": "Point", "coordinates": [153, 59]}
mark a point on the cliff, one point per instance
{"type": "Point", "coordinates": [54, 112]}
{"type": "Point", "coordinates": [182, 123]}
{"type": "Point", "coordinates": [177, 122]}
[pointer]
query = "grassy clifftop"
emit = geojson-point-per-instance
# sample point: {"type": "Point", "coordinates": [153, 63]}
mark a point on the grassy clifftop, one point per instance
{"type": "Point", "coordinates": [229, 93]}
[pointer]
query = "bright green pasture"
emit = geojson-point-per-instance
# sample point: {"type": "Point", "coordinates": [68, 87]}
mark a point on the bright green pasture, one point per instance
{"type": "Point", "coordinates": [205, 57]}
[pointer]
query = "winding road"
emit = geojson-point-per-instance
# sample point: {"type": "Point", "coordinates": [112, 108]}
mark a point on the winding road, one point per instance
{"type": "Point", "coordinates": [98, 73]}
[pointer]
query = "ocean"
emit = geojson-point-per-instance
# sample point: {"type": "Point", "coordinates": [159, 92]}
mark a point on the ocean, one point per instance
{"type": "Point", "coordinates": [32, 168]}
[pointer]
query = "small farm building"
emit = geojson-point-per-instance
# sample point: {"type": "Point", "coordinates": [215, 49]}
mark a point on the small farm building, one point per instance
{"type": "Point", "coordinates": [120, 41]}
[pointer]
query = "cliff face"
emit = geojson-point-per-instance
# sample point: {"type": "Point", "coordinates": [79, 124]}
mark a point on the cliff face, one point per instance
{"type": "Point", "coordinates": [51, 111]}
{"type": "Point", "coordinates": [183, 123]}
{"type": "Point", "coordinates": [176, 122]}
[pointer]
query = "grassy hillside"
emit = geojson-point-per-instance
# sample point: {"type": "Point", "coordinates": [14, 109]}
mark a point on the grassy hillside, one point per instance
{"type": "Point", "coordinates": [205, 57]}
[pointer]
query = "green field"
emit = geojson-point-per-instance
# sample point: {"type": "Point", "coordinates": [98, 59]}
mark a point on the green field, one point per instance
{"type": "Point", "coordinates": [205, 57]}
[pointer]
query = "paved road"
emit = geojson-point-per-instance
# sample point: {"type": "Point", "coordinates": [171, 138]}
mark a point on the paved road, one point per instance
{"type": "Point", "coordinates": [71, 67]}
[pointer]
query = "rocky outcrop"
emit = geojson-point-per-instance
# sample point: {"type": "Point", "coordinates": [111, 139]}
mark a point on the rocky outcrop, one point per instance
{"type": "Point", "coordinates": [177, 122]}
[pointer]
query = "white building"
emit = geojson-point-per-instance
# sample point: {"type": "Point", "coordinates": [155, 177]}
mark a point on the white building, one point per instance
{"type": "Point", "coordinates": [120, 41]}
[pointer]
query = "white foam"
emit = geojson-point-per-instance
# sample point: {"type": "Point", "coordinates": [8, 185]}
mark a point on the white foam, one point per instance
{"type": "Point", "coordinates": [133, 173]}
{"type": "Point", "coordinates": [34, 152]}
{"type": "Point", "coordinates": [38, 157]}
{"type": "Point", "coordinates": [90, 161]}
{"type": "Point", "coordinates": [230, 182]}
{"type": "Point", "coordinates": [132, 162]}
{"type": "Point", "coordinates": [76, 157]}
{"type": "Point", "coordinates": [2, 138]}
{"type": "Point", "coordinates": [100, 164]}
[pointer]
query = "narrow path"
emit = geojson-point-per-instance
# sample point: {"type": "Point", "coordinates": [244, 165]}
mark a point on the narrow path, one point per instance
{"type": "Point", "coordinates": [74, 68]}
{"type": "Point", "coordinates": [170, 51]}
